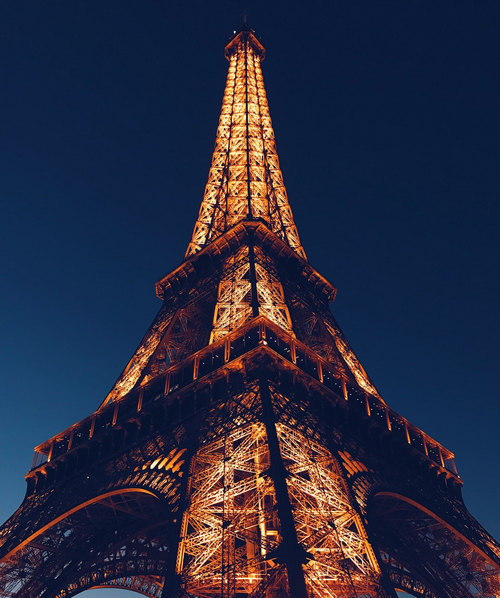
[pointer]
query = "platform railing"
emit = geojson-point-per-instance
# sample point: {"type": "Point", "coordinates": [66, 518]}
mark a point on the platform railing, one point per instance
{"type": "Point", "coordinates": [258, 332]}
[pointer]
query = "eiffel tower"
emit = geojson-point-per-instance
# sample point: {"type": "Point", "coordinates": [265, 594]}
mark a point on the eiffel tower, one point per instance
{"type": "Point", "coordinates": [244, 451]}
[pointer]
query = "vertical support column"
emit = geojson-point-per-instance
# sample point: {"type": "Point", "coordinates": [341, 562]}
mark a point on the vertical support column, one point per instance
{"type": "Point", "coordinates": [441, 460]}
{"type": "Point", "coordinates": [253, 275]}
{"type": "Point", "coordinates": [386, 588]}
{"type": "Point", "coordinates": [344, 389]}
{"type": "Point", "coordinates": [291, 551]}
{"type": "Point", "coordinates": [173, 583]}
{"type": "Point", "coordinates": [388, 421]}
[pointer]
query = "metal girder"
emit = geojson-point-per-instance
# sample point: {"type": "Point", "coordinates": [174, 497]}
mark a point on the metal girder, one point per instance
{"type": "Point", "coordinates": [249, 286]}
{"type": "Point", "coordinates": [97, 536]}
{"type": "Point", "coordinates": [428, 557]}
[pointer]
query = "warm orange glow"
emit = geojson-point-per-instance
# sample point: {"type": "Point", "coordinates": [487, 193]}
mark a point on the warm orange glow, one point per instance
{"type": "Point", "coordinates": [231, 529]}
{"type": "Point", "coordinates": [351, 359]}
{"type": "Point", "coordinates": [245, 179]}
{"type": "Point", "coordinates": [246, 439]}
{"type": "Point", "coordinates": [235, 295]}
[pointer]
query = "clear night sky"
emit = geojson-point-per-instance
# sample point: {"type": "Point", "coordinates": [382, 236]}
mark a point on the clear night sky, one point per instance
{"type": "Point", "coordinates": [387, 123]}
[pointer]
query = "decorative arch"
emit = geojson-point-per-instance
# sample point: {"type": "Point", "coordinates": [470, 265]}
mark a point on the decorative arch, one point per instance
{"type": "Point", "coordinates": [425, 555]}
{"type": "Point", "coordinates": [66, 514]}
{"type": "Point", "coordinates": [115, 539]}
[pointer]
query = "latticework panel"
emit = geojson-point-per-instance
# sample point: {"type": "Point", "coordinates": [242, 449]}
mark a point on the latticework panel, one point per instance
{"type": "Point", "coordinates": [108, 519]}
{"type": "Point", "coordinates": [117, 534]}
{"type": "Point", "coordinates": [231, 540]}
{"type": "Point", "coordinates": [328, 527]}
{"type": "Point", "coordinates": [235, 302]}
{"type": "Point", "coordinates": [231, 526]}
{"type": "Point", "coordinates": [270, 295]}
{"type": "Point", "coordinates": [349, 357]}
{"type": "Point", "coordinates": [310, 328]}
{"type": "Point", "coordinates": [187, 332]}
{"type": "Point", "coordinates": [425, 555]}
{"type": "Point", "coordinates": [245, 179]}
{"type": "Point", "coordinates": [139, 360]}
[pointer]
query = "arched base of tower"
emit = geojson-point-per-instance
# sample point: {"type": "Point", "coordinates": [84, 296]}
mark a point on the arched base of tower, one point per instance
{"type": "Point", "coordinates": [425, 556]}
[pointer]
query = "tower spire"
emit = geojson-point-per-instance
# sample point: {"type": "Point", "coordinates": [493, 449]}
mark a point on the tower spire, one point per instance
{"type": "Point", "coordinates": [245, 180]}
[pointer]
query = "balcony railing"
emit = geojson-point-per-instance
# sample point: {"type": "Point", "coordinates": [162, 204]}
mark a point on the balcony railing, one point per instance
{"type": "Point", "coordinates": [259, 332]}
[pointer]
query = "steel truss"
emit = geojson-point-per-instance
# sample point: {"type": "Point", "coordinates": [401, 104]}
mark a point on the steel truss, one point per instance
{"type": "Point", "coordinates": [427, 557]}
{"type": "Point", "coordinates": [231, 533]}
{"type": "Point", "coordinates": [245, 179]}
{"type": "Point", "coordinates": [244, 451]}
{"type": "Point", "coordinates": [249, 286]}
{"type": "Point", "coordinates": [88, 537]}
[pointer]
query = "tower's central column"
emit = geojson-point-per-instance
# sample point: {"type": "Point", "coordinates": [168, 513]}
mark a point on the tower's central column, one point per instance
{"type": "Point", "coordinates": [269, 510]}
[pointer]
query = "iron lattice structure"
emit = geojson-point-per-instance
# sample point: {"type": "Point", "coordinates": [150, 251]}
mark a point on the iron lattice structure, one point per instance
{"type": "Point", "coordinates": [244, 452]}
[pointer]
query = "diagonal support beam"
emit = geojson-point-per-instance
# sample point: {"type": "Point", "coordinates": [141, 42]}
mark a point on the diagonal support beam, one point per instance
{"type": "Point", "coordinates": [291, 551]}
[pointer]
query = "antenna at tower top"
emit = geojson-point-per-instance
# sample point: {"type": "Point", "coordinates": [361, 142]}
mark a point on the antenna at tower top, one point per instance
{"type": "Point", "coordinates": [245, 26]}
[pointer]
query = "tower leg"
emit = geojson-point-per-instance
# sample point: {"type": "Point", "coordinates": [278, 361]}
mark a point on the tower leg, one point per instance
{"type": "Point", "coordinates": [173, 587]}
{"type": "Point", "coordinates": [292, 552]}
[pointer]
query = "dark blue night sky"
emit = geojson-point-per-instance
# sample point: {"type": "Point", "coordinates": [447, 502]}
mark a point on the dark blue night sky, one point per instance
{"type": "Point", "coordinates": [387, 123]}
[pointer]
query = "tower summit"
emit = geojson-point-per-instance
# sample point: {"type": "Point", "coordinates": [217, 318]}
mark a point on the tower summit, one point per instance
{"type": "Point", "coordinates": [245, 180]}
{"type": "Point", "coordinates": [244, 452]}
